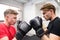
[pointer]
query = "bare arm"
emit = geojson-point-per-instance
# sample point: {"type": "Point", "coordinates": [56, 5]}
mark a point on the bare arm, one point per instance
{"type": "Point", "coordinates": [51, 37]}
{"type": "Point", "coordinates": [4, 38]}
{"type": "Point", "coordinates": [14, 38]}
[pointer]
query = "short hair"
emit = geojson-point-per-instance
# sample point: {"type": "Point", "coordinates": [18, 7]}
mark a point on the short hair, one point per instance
{"type": "Point", "coordinates": [48, 6]}
{"type": "Point", "coordinates": [10, 11]}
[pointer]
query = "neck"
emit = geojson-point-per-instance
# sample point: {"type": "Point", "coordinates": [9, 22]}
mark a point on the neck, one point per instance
{"type": "Point", "coordinates": [53, 17]}
{"type": "Point", "coordinates": [6, 23]}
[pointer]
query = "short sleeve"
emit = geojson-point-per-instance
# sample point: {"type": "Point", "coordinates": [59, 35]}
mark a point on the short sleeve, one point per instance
{"type": "Point", "coordinates": [56, 28]}
{"type": "Point", "coordinates": [2, 32]}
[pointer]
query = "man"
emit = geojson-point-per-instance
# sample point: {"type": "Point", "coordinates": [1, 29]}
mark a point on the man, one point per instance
{"type": "Point", "coordinates": [52, 32]}
{"type": "Point", "coordinates": [7, 30]}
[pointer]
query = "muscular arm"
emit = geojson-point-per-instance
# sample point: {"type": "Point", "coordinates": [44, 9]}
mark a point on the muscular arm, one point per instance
{"type": "Point", "coordinates": [51, 37]}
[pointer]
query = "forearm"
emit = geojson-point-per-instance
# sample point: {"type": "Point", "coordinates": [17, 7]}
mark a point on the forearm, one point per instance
{"type": "Point", "coordinates": [45, 37]}
{"type": "Point", "coordinates": [14, 38]}
{"type": "Point", "coordinates": [4, 38]}
{"type": "Point", "coordinates": [50, 37]}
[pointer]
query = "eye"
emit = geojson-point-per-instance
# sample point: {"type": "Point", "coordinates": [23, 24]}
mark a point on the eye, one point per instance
{"type": "Point", "coordinates": [15, 17]}
{"type": "Point", "coordinates": [43, 13]}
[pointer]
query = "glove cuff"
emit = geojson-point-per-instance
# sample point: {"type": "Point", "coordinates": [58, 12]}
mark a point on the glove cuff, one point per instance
{"type": "Point", "coordinates": [19, 36]}
{"type": "Point", "coordinates": [40, 32]}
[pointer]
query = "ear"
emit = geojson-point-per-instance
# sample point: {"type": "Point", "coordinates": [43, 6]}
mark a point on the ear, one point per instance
{"type": "Point", "coordinates": [6, 16]}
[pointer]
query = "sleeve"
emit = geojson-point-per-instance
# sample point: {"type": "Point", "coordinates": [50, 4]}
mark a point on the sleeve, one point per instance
{"type": "Point", "coordinates": [12, 31]}
{"type": "Point", "coordinates": [2, 32]}
{"type": "Point", "coordinates": [56, 28]}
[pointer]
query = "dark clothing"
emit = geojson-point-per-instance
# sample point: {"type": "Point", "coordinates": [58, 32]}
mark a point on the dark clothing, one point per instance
{"type": "Point", "coordinates": [54, 26]}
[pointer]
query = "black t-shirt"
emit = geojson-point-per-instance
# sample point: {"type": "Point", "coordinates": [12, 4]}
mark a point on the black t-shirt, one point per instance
{"type": "Point", "coordinates": [54, 26]}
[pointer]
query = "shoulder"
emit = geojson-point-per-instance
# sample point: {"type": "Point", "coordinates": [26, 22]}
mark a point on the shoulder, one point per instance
{"type": "Point", "coordinates": [2, 25]}
{"type": "Point", "coordinates": [57, 20]}
{"type": "Point", "coordinates": [56, 27]}
{"type": "Point", "coordinates": [57, 23]}
{"type": "Point", "coordinates": [2, 30]}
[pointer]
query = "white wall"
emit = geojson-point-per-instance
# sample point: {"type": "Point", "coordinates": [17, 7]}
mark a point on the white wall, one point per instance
{"type": "Point", "coordinates": [29, 13]}
{"type": "Point", "coordinates": [11, 3]}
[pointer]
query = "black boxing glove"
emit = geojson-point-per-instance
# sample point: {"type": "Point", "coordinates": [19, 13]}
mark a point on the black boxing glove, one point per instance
{"type": "Point", "coordinates": [22, 29]}
{"type": "Point", "coordinates": [36, 23]}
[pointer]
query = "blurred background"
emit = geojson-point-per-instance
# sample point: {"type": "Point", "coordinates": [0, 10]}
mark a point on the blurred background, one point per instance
{"type": "Point", "coordinates": [27, 10]}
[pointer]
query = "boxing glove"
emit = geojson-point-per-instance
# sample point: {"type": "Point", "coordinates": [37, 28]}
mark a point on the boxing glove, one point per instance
{"type": "Point", "coordinates": [22, 29]}
{"type": "Point", "coordinates": [36, 23]}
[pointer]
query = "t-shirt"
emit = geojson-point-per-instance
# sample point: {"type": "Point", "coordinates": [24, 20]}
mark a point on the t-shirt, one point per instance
{"type": "Point", "coordinates": [54, 26]}
{"type": "Point", "coordinates": [7, 31]}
